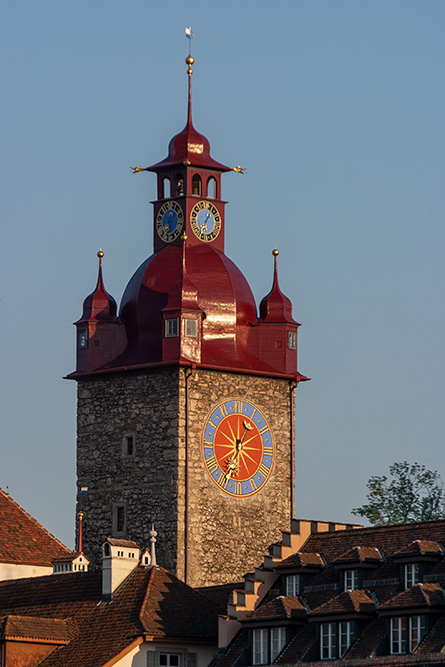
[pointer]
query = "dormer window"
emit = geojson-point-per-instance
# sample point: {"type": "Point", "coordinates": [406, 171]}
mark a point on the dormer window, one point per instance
{"type": "Point", "coordinates": [351, 580]}
{"type": "Point", "coordinates": [292, 340]}
{"type": "Point", "coordinates": [293, 584]}
{"type": "Point", "coordinates": [412, 574]}
{"type": "Point", "coordinates": [336, 639]}
{"type": "Point", "coordinates": [406, 633]}
{"type": "Point", "coordinates": [196, 185]}
{"type": "Point", "coordinates": [267, 645]}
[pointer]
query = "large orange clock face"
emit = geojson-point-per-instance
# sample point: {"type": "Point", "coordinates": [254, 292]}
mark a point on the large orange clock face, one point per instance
{"type": "Point", "coordinates": [238, 447]}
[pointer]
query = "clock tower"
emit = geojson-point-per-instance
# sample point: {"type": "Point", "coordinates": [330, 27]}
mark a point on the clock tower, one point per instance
{"type": "Point", "coordinates": [186, 396]}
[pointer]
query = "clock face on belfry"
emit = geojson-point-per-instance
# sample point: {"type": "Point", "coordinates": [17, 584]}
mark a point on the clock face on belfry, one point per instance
{"type": "Point", "coordinates": [169, 221]}
{"type": "Point", "coordinates": [205, 221]}
{"type": "Point", "coordinates": [238, 447]}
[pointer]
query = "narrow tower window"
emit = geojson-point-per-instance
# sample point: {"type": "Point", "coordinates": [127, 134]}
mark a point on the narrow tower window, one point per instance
{"type": "Point", "coordinates": [291, 340]}
{"type": "Point", "coordinates": [128, 444]}
{"type": "Point", "coordinates": [82, 339]}
{"type": "Point", "coordinates": [166, 188]}
{"type": "Point", "coordinates": [211, 188]}
{"type": "Point", "coordinates": [196, 185]}
{"type": "Point", "coordinates": [119, 519]}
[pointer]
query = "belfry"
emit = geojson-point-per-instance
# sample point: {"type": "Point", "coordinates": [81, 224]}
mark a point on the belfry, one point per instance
{"type": "Point", "coordinates": [186, 395]}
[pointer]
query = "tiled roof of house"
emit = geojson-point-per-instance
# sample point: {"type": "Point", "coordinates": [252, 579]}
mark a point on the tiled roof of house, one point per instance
{"type": "Point", "coordinates": [150, 602]}
{"type": "Point", "coordinates": [380, 595]}
{"type": "Point", "coordinates": [360, 555]}
{"type": "Point", "coordinates": [281, 607]}
{"type": "Point", "coordinates": [421, 595]}
{"type": "Point", "coordinates": [389, 539]}
{"type": "Point", "coordinates": [69, 557]}
{"type": "Point", "coordinates": [47, 629]}
{"type": "Point", "coordinates": [420, 548]}
{"type": "Point", "coordinates": [301, 559]}
{"type": "Point", "coordinates": [356, 602]}
{"type": "Point", "coordinates": [24, 540]}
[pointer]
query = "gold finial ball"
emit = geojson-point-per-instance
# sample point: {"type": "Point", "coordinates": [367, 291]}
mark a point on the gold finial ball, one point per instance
{"type": "Point", "coordinates": [100, 254]}
{"type": "Point", "coordinates": [184, 237]}
{"type": "Point", "coordinates": [275, 252]}
{"type": "Point", "coordinates": [189, 60]}
{"type": "Point", "coordinates": [81, 515]}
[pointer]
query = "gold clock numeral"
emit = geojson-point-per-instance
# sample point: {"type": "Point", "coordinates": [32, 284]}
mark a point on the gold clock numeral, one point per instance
{"type": "Point", "coordinates": [212, 464]}
{"type": "Point", "coordinates": [238, 406]}
{"type": "Point", "coordinates": [263, 470]}
{"type": "Point", "coordinates": [253, 484]}
{"type": "Point", "coordinates": [238, 488]}
{"type": "Point", "coordinates": [267, 451]}
{"type": "Point", "coordinates": [264, 429]}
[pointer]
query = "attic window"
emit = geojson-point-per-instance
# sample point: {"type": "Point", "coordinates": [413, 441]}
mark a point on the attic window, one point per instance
{"type": "Point", "coordinates": [293, 584]}
{"type": "Point", "coordinates": [190, 327]}
{"type": "Point", "coordinates": [412, 574]}
{"type": "Point", "coordinates": [292, 340]}
{"type": "Point", "coordinates": [351, 580]}
{"type": "Point", "coordinates": [171, 327]}
{"type": "Point", "coordinates": [406, 633]}
{"type": "Point", "coordinates": [82, 339]}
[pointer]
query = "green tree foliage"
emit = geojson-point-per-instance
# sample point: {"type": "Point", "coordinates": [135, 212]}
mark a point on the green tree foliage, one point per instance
{"type": "Point", "coordinates": [412, 493]}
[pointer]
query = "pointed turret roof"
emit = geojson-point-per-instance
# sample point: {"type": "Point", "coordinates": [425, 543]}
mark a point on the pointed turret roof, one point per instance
{"type": "Point", "coordinates": [189, 147]}
{"type": "Point", "coordinates": [276, 307]}
{"type": "Point", "coordinates": [99, 305]}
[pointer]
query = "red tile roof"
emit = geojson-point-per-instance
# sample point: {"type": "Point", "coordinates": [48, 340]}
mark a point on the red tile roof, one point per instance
{"type": "Point", "coordinates": [349, 602]}
{"type": "Point", "coordinates": [281, 607]}
{"type": "Point", "coordinates": [24, 540]}
{"type": "Point", "coordinates": [360, 555]}
{"type": "Point", "coordinates": [151, 602]}
{"type": "Point", "coordinates": [420, 548]}
{"type": "Point", "coordinates": [301, 559]}
{"type": "Point", "coordinates": [122, 543]}
{"type": "Point", "coordinates": [49, 629]}
{"type": "Point", "coordinates": [421, 595]}
{"type": "Point", "coordinates": [389, 539]}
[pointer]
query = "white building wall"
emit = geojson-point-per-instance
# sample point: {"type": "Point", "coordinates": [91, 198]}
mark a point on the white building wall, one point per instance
{"type": "Point", "coordinates": [19, 571]}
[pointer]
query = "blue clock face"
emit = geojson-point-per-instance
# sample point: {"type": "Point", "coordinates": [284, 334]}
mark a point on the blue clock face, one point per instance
{"type": "Point", "coordinates": [169, 221]}
{"type": "Point", "coordinates": [238, 447]}
{"type": "Point", "coordinates": [205, 221]}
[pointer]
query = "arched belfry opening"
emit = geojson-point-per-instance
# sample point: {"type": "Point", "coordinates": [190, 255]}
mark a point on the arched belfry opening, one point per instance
{"type": "Point", "coordinates": [212, 191]}
{"type": "Point", "coordinates": [196, 185]}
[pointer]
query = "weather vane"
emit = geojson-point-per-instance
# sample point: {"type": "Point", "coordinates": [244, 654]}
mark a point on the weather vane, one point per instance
{"type": "Point", "coordinates": [189, 35]}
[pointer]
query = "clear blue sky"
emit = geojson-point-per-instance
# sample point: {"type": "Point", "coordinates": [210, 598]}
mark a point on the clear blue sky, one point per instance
{"type": "Point", "coordinates": [336, 108]}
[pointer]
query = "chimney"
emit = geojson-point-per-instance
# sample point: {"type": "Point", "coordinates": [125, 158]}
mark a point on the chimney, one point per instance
{"type": "Point", "coordinates": [119, 559]}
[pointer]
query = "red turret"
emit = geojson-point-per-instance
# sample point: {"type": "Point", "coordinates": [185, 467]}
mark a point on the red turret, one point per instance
{"type": "Point", "coordinates": [188, 303]}
{"type": "Point", "coordinates": [101, 335]}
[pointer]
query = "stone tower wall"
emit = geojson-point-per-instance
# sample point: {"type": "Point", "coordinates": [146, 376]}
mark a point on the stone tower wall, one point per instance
{"type": "Point", "coordinates": [205, 535]}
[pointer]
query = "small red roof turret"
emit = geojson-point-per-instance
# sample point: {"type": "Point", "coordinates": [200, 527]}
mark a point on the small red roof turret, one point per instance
{"type": "Point", "coordinates": [276, 307]}
{"type": "Point", "coordinates": [99, 306]}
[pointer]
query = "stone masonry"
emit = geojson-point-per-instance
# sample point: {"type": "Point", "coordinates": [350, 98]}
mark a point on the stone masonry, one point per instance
{"type": "Point", "coordinates": [205, 536]}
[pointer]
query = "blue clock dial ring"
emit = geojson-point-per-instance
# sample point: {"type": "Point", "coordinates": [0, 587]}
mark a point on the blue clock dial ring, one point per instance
{"type": "Point", "coordinates": [238, 447]}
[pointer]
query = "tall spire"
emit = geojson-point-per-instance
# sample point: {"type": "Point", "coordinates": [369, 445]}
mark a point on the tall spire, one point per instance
{"type": "Point", "coordinates": [99, 305]}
